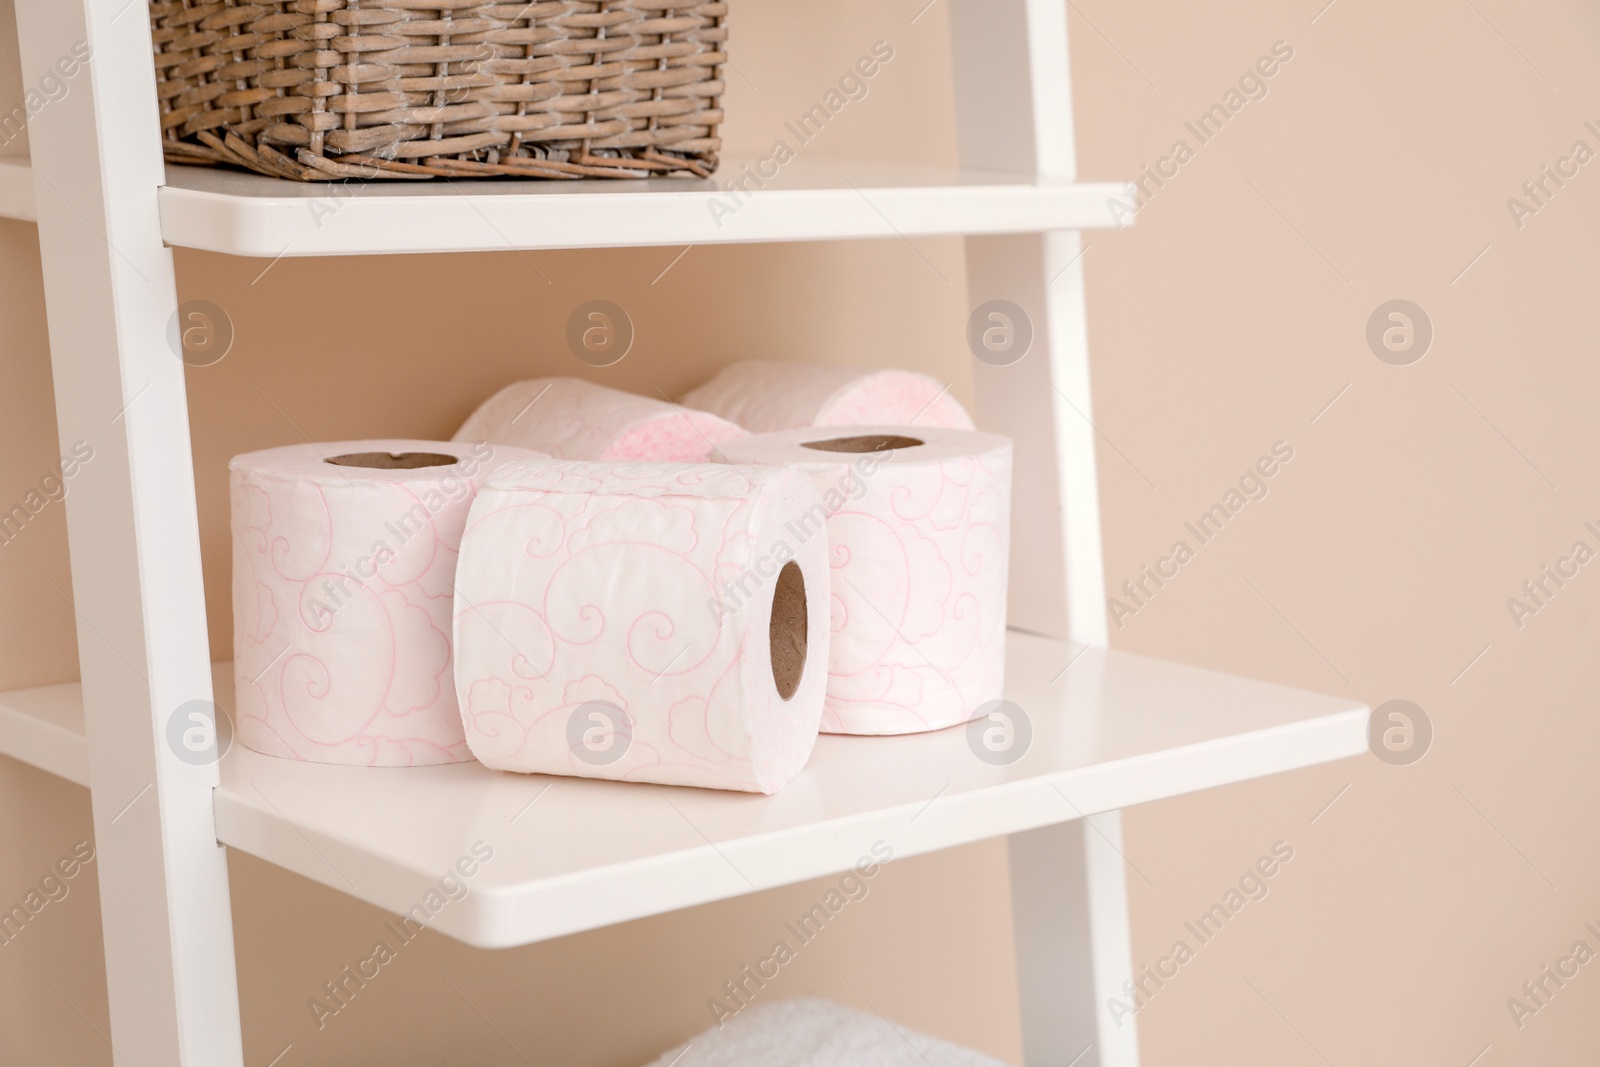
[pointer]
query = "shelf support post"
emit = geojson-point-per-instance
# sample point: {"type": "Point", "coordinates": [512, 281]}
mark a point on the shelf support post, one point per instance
{"type": "Point", "coordinates": [1014, 112]}
{"type": "Point", "coordinates": [133, 529]}
{"type": "Point", "coordinates": [1069, 908]}
{"type": "Point", "coordinates": [1069, 893]}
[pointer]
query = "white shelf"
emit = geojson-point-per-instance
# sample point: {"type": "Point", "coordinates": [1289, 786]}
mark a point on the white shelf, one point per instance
{"type": "Point", "coordinates": [809, 200]}
{"type": "Point", "coordinates": [44, 727]}
{"type": "Point", "coordinates": [1111, 731]}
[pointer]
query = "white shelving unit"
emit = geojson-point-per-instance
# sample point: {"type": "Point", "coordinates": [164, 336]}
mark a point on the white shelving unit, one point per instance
{"type": "Point", "coordinates": [1109, 729]}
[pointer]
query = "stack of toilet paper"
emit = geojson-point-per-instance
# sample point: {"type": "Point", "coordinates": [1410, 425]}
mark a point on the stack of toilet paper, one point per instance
{"type": "Point", "coordinates": [591, 583]}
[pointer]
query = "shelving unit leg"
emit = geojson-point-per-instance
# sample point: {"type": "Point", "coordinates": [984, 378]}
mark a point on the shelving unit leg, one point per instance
{"type": "Point", "coordinates": [1069, 899]}
{"type": "Point", "coordinates": [1069, 907]}
{"type": "Point", "coordinates": [1068, 891]}
{"type": "Point", "coordinates": [133, 531]}
{"type": "Point", "coordinates": [1042, 402]}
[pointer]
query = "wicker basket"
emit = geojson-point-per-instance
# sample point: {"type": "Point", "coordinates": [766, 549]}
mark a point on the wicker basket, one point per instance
{"type": "Point", "coordinates": [319, 90]}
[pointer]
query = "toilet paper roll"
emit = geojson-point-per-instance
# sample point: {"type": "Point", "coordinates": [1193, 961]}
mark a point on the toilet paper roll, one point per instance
{"type": "Point", "coordinates": [344, 557]}
{"type": "Point", "coordinates": [573, 419]}
{"type": "Point", "coordinates": [645, 622]}
{"type": "Point", "coordinates": [765, 396]}
{"type": "Point", "coordinates": [918, 523]}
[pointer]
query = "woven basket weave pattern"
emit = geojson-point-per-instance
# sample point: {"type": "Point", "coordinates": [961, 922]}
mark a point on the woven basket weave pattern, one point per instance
{"type": "Point", "coordinates": [328, 89]}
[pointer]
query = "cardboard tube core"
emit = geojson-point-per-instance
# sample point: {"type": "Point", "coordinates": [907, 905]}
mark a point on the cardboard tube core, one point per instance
{"type": "Point", "coordinates": [392, 461]}
{"type": "Point", "coordinates": [878, 442]}
{"type": "Point", "coordinates": [786, 633]}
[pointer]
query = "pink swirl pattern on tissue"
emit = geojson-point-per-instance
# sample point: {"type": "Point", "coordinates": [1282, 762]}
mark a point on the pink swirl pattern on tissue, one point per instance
{"type": "Point", "coordinates": [766, 396]}
{"type": "Point", "coordinates": [918, 549]}
{"type": "Point", "coordinates": [342, 592]}
{"type": "Point", "coordinates": [573, 419]}
{"type": "Point", "coordinates": [620, 583]}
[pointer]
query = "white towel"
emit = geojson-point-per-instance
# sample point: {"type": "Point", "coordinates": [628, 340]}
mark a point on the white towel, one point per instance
{"type": "Point", "coordinates": [817, 1033]}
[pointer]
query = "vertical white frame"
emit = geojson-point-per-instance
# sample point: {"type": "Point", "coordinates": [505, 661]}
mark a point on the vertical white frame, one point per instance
{"type": "Point", "coordinates": [134, 534]}
{"type": "Point", "coordinates": [1069, 907]}
{"type": "Point", "coordinates": [1014, 112]}
{"type": "Point", "coordinates": [1068, 884]}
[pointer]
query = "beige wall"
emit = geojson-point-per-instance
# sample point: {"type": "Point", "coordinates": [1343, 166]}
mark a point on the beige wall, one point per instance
{"type": "Point", "coordinates": [1418, 503]}
{"type": "Point", "coordinates": [1376, 167]}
